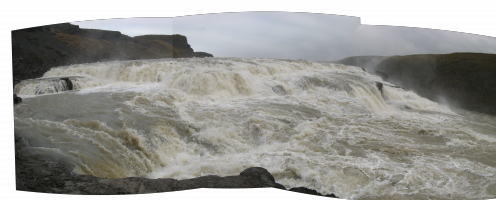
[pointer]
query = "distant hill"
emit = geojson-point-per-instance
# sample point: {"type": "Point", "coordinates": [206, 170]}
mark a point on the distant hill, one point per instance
{"type": "Point", "coordinates": [464, 80]}
{"type": "Point", "coordinates": [367, 62]}
{"type": "Point", "coordinates": [36, 50]}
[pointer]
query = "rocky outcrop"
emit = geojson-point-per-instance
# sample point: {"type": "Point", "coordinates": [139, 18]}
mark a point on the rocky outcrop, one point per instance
{"type": "Point", "coordinates": [202, 55]}
{"type": "Point", "coordinates": [50, 85]}
{"type": "Point", "coordinates": [383, 75]}
{"type": "Point", "coordinates": [305, 190]}
{"type": "Point", "coordinates": [181, 48]}
{"type": "Point", "coordinates": [41, 173]}
{"type": "Point", "coordinates": [36, 50]}
{"type": "Point", "coordinates": [379, 86]}
{"type": "Point", "coordinates": [464, 80]}
{"type": "Point", "coordinates": [17, 99]}
{"type": "Point", "coordinates": [254, 177]}
{"type": "Point", "coordinates": [413, 72]}
{"type": "Point", "coordinates": [68, 82]}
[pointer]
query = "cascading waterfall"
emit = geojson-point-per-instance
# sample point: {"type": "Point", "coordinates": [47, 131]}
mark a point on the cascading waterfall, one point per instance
{"type": "Point", "coordinates": [314, 124]}
{"type": "Point", "coordinates": [53, 85]}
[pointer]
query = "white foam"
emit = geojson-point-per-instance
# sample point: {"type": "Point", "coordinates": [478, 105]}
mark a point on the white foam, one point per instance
{"type": "Point", "coordinates": [317, 125]}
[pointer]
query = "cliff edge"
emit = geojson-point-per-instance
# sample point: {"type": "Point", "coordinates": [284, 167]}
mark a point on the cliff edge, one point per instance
{"type": "Point", "coordinates": [36, 50]}
{"type": "Point", "coordinates": [463, 80]}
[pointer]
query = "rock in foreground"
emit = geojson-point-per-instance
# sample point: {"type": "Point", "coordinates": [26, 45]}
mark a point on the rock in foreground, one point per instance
{"type": "Point", "coordinates": [39, 173]}
{"type": "Point", "coordinates": [17, 99]}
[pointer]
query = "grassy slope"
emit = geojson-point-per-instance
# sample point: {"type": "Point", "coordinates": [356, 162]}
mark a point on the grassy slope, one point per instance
{"type": "Point", "coordinates": [470, 78]}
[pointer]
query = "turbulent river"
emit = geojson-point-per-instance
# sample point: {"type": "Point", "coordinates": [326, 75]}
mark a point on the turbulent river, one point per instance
{"type": "Point", "coordinates": [312, 124]}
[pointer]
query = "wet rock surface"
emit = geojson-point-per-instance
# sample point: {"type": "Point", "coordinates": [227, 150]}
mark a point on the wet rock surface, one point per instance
{"type": "Point", "coordinates": [305, 190]}
{"type": "Point", "coordinates": [379, 86]}
{"type": "Point", "coordinates": [17, 99]}
{"type": "Point", "coordinates": [46, 174]}
{"type": "Point", "coordinates": [68, 83]}
{"type": "Point", "coordinates": [383, 75]}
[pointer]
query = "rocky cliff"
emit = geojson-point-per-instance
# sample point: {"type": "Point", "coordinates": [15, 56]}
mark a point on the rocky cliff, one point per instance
{"type": "Point", "coordinates": [464, 80]}
{"type": "Point", "coordinates": [36, 50]}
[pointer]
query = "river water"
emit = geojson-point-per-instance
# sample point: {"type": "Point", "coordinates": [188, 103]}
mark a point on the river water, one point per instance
{"type": "Point", "coordinates": [314, 124]}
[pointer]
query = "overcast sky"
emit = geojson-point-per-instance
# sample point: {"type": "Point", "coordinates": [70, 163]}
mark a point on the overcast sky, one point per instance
{"type": "Point", "coordinates": [286, 35]}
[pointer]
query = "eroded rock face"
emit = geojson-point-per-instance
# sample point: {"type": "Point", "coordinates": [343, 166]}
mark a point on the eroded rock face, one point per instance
{"type": "Point", "coordinates": [383, 75]}
{"type": "Point", "coordinates": [68, 82]}
{"type": "Point", "coordinates": [35, 50]}
{"type": "Point", "coordinates": [465, 79]}
{"type": "Point", "coordinates": [17, 99]}
{"type": "Point", "coordinates": [258, 173]}
{"type": "Point", "coordinates": [379, 86]}
{"type": "Point", "coordinates": [202, 54]}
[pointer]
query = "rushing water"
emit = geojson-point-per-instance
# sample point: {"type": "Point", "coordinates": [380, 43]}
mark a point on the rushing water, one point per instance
{"type": "Point", "coordinates": [318, 125]}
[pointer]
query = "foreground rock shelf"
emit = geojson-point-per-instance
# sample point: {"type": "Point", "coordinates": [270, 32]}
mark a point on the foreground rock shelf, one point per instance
{"type": "Point", "coordinates": [40, 173]}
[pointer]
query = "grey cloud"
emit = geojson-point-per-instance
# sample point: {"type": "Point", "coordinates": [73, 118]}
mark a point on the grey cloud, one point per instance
{"type": "Point", "coordinates": [131, 26]}
{"type": "Point", "coordinates": [390, 40]}
{"type": "Point", "coordinates": [266, 34]}
{"type": "Point", "coordinates": [297, 35]}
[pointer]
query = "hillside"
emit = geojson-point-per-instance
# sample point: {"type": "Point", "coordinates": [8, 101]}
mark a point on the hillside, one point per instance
{"type": "Point", "coordinates": [36, 50]}
{"type": "Point", "coordinates": [367, 62]}
{"type": "Point", "coordinates": [464, 80]}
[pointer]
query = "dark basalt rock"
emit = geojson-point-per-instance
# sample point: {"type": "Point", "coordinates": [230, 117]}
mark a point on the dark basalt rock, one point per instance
{"type": "Point", "coordinates": [68, 82]}
{"type": "Point", "coordinates": [179, 42]}
{"type": "Point", "coordinates": [379, 86]}
{"type": "Point", "coordinates": [258, 173]}
{"type": "Point", "coordinates": [310, 191]}
{"type": "Point", "coordinates": [17, 99]}
{"type": "Point", "coordinates": [466, 80]}
{"type": "Point", "coordinates": [200, 54]}
{"type": "Point", "coordinates": [35, 50]}
{"type": "Point", "coordinates": [383, 75]}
